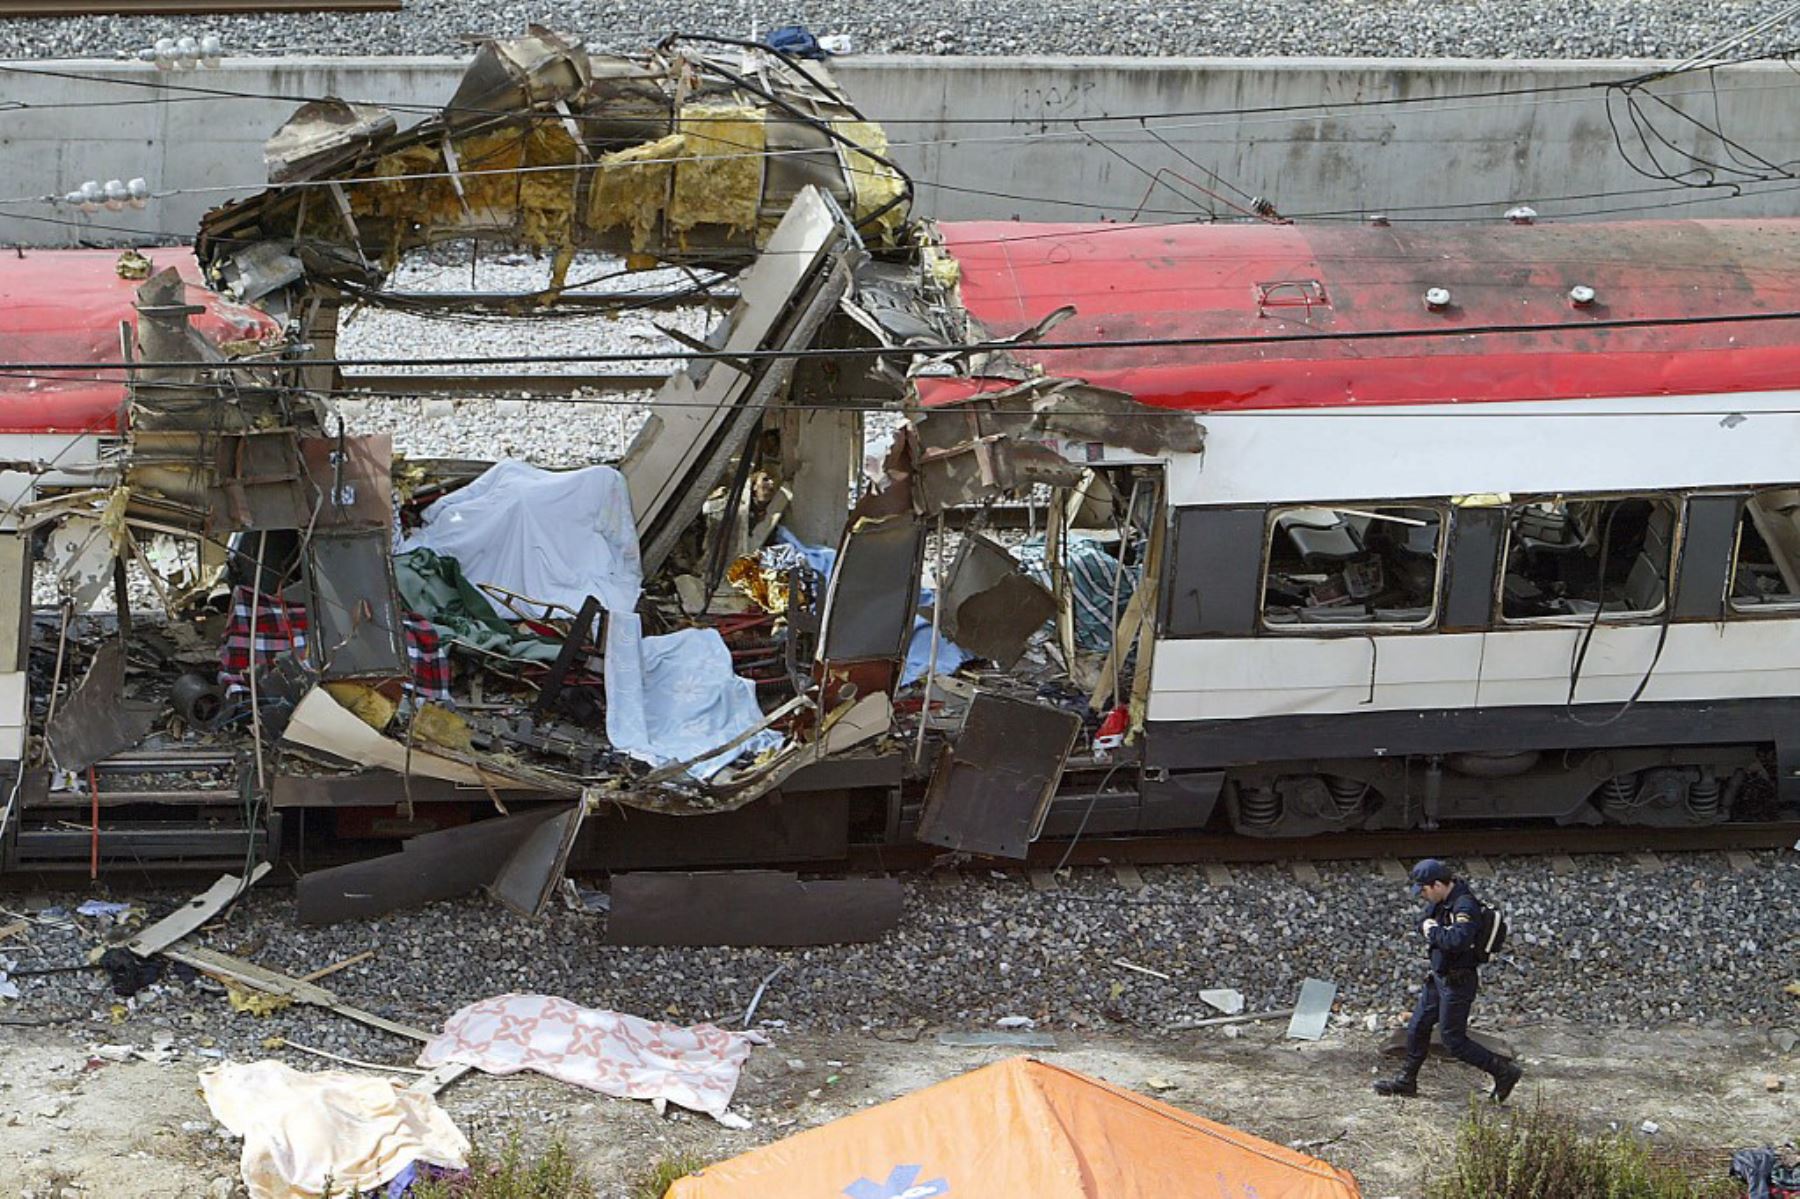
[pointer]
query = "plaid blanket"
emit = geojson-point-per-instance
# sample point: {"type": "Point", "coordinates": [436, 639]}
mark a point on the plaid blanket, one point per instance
{"type": "Point", "coordinates": [281, 628]}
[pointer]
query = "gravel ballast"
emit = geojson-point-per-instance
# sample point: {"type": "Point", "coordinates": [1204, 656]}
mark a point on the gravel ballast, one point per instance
{"type": "Point", "coordinates": [1396, 28]}
{"type": "Point", "coordinates": [1694, 942]}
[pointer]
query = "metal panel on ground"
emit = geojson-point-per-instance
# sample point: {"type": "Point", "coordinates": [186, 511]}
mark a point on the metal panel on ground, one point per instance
{"type": "Point", "coordinates": [749, 907]}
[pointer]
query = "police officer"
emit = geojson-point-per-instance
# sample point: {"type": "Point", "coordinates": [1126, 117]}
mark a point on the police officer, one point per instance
{"type": "Point", "coordinates": [1449, 927]}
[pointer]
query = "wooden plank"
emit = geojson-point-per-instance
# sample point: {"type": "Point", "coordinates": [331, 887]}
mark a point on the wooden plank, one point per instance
{"type": "Point", "coordinates": [1127, 876]}
{"type": "Point", "coordinates": [192, 914]}
{"type": "Point", "coordinates": [249, 974]}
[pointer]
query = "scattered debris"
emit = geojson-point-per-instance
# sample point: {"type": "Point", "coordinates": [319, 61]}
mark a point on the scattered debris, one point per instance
{"type": "Point", "coordinates": [519, 859]}
{"type": "Point", "coordinates": [1133, 966]}
{"type": "Point", "coordinates": [1224, 999]}
{"type": "Point", "coordinates": [202, 909]}
{"type": "Point", "coordinates": [1312, 1010]}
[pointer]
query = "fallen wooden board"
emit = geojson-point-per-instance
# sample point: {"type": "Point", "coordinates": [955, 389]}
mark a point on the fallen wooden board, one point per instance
{"type": "Point", "coordinates": [192, 914]}
{"type": "Point", "coordinates": [227, 968]}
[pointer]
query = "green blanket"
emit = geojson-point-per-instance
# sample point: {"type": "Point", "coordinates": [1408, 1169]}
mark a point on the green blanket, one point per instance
{"type": "Point", "coordinates": [435, 588]}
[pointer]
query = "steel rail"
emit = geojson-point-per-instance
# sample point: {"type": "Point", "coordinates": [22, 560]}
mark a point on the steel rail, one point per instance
{"type": "Point", "coordinates": [1152, 850]}
{"type": "Point", "coordinates": [402, 383]}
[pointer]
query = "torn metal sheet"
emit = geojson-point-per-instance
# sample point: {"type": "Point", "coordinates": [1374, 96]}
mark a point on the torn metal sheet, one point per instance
{"type": "Point", "coordinates": [201, 909]}
{"type": "Point", "coordinates": [356, 630]}
{"type": "Point", "coordinates": [543, 67]}
{"type": "Point", "coordinates": [448, 863]}
{"type": "Point", "coordinates": [259, 482]}
{"type": "Point", "coordinates": [873, 595]}
{"type": "Point", "coordinates": [547, 146]}
{"type": "Point", "coordinates": [703, 416]}
{"type": "Point", "coordinates": [1228, 1000]}
{"type": "Point", "coordinates": [96, 720]}
{"type": "Point", "coordinates": [991, 606]}
{"type": "Point", "coordinates": [83, 547]}
{"type": "Point", "coordinates": [750, 907]}
{"type": "Point", "coordinates": [991, 789]}
{"type": "Point", "coordinates": [321, 136]}
{"type": "Point", "coordinates": [1312, 1010]}
{"type": "Point", "coordinates": [351, 479]}
{"type": "Point", "coordinates": [529, 877]}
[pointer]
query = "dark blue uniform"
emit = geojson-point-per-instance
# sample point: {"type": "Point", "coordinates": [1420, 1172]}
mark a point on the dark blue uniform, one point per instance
{"type": "Point", "coordinates": [1451, 986]}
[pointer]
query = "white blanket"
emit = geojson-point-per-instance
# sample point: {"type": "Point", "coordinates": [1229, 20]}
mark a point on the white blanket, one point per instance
{"type": "Point", "coordinates": [562, 536]}
{"type": "Point", "coordinates": [303, 1132]}
{"type": "Point", "coordinates": [559, 536]}
{"type": "Point", "coordinates": [615, 1054]}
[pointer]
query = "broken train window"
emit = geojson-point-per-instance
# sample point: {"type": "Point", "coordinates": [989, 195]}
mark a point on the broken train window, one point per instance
{"type": "Point", "coordinates": [1365, 565]}
{"type": "Point", "coordinates": [1571, 557]}
{"type": "Point", "coordinates": [1765, 567]}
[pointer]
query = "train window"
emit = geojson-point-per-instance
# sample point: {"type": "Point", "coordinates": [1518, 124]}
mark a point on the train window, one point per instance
{"type": "Point", "coordinates": [1585, 557]}
{"type": "Point", "coordinates": [1765, 572]}
{"type": "Point", "coordinates": [1352, 566]}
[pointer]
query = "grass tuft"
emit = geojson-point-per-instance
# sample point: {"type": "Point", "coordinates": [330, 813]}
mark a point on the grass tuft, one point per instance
{"type": "Point", "coordinates": [659, 1176]}
{"type": "Point", "coordinates": [1536, 1153]}
{"type": "Point", "coordinates": [515, 1174]}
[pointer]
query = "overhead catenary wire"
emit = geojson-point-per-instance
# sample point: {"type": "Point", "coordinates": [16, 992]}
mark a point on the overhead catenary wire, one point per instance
{"type": "Point", "coordinates": [1409, 333]}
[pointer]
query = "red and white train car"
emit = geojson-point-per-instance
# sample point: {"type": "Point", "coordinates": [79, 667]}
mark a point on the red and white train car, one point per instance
{"type": "Point", "coordinates": [1490, 521]}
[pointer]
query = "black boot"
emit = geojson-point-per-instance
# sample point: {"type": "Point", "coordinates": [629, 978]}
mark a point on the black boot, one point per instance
{"type": "Point", "coordinates": [1506, 1076]}
{"type": "Point", "coordinates": [1405, 1083]}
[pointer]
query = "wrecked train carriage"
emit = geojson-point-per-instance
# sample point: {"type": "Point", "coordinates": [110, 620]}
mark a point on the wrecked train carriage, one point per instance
{"type": "Point", "coordinates": [1302, 594]}
{"type": "Point", "coordinates": [1491, 523]}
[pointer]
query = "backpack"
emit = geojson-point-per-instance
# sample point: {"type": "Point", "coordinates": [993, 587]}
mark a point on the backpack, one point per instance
{"type": "Point", "coordinates": [1490, 932]}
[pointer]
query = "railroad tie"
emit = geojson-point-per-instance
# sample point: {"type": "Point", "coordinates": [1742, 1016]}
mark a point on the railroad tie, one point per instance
{"type": "Point", "coordinates": [1305, 873]}
{"type": "Point", "coordinates": [1218, 874]}
{"type": "Point", "coordinates": [1127, 876]}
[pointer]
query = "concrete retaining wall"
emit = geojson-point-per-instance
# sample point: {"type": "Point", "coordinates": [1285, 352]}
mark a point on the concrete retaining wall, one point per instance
{"type": "Point", "coordinates": [997, 138]}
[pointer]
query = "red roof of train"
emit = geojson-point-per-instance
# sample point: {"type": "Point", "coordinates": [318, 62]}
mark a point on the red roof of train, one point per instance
{"type": "Point", "coordinates": [1353, 299]}
{"type": "Point", "coordinates": [63, 306]}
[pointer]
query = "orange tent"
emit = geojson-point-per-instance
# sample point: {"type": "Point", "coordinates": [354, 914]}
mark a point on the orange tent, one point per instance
{"type": "Point", "coordinates": [1021, 1129]}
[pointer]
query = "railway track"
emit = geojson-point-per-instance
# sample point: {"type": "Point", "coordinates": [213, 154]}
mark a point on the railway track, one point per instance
{"type": "Point", "coordinates": [401, 383]}
{"type": "Point", "coordinates": [1411, 844]}
{"type": "Point", "coordinates": [189, 8]}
